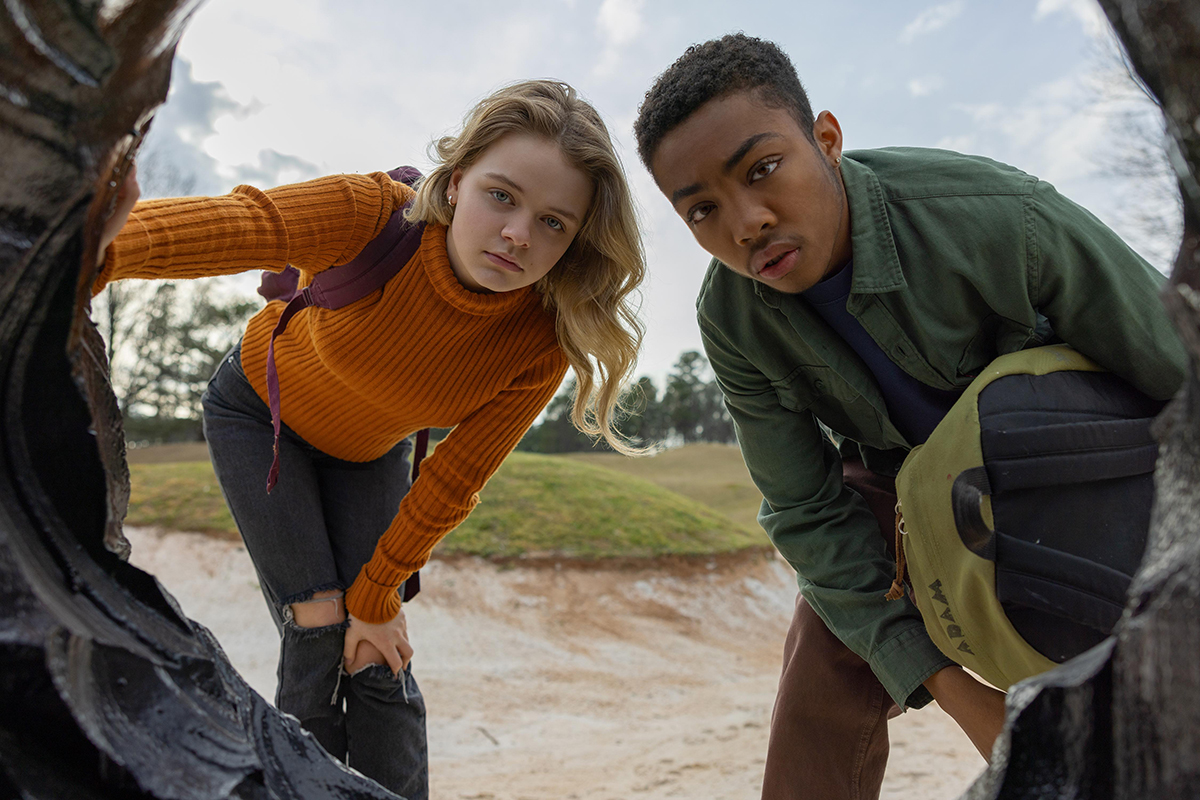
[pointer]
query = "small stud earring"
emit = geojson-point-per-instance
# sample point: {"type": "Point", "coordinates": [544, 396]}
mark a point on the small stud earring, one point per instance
{"type": "Point", "coordinates": [837, 161]}
{"type": "Point", "coordinates": [450, 199]}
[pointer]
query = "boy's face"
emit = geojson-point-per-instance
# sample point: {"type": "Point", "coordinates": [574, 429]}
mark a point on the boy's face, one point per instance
{"type": "Point", "coordinates": [756, 192]}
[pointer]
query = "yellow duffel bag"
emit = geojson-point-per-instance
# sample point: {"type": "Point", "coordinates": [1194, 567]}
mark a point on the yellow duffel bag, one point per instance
{"type": "Point", "coordinates": [1025, 513]}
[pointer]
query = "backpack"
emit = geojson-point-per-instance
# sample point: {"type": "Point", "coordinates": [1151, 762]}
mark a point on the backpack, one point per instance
{"type": "Point", "coordinates": [382, 258]}
{"type": "Point", "coordinates": [1023, 518]}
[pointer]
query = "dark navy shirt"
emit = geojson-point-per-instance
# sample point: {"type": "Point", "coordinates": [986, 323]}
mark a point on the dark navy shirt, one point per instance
{"type": "Point", "coordinates": [915, 409]}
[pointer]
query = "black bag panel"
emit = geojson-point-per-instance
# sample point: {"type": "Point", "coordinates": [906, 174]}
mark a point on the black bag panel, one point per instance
{"type": "Point", "coordinates": [1078, 575]}
{"type": "Point", "coordinates": [1056, 638]}
{"type": "Point", "coordinates": [1069, 463]}
{"type": "Point", "coordinates": [966, 503]}
{"type": "Point", "coordinates": [1070, 460]}
{"type": "Point", "coordinates": [1031, 401]}
{"type": "Point", "coordinates": [1066, 453]}
{"type": "Point", "coordinates": [1060, 604]}
{"type": "Point", "coordinates": [1103, 522]}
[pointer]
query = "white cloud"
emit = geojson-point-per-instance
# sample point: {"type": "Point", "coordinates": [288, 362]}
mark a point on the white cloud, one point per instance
{"type": "Point", "coordinates": [932, 19]}
{"type": "Point", "coordinates": [272, 168]}
{"type": "Point", "coordinates": [619, 23]}
{"type": "Point", "coordinates": [1086, 11]}
{"type": "Point", "coordinates": [921, 87]}
{"type": "Point", "coordinates": [175, 160]}
{"type": "Point", "coordinates": [1052, 133]}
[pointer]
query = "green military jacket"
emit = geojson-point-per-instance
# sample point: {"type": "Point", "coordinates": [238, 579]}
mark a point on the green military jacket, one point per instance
{"type": "Point", "coordinates": [957, 260]}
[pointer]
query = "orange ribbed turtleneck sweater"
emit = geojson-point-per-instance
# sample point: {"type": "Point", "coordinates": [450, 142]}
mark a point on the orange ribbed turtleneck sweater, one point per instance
{"type": "Point", "coordinates": [421, 352]}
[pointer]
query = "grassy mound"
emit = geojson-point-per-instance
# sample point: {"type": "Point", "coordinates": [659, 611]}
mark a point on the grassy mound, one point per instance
{"type": "Point", "coordinates": [549, 505]}
{"type": "Point", "coordinates": [535, 505]}
{"type": "Point", "coordinates": [713, 475]}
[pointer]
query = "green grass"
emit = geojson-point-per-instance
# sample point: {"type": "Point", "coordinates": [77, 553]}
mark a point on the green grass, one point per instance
{"type": "Point", "coordinates": [548, 505]}
{"type": "Point", "coordinates": [535, 505]}
{"type": "Point", "coordinates": [713, 475]}
{"type": "Point", "coordinates": [180, 497]}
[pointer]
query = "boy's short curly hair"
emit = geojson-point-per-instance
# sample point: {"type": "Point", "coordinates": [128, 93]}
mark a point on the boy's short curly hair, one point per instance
{"type": "Point", "coordinates": [735, 62]}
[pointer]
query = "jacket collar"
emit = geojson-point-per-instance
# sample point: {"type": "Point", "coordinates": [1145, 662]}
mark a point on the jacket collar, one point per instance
{"type": "Point", "coordinates": [876, 262]}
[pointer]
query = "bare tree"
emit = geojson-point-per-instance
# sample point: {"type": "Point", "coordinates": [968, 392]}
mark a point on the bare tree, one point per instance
{"type": "Point", "coordinates": [164, 339]}
{"type": "Point", "coordinates": [1150, 214]}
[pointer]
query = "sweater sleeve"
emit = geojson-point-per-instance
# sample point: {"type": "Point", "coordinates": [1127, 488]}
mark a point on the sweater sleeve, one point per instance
{"type": "Point", "coordinates": [448, 488]}
{"type": "Point", "coordinates": [312, 226]}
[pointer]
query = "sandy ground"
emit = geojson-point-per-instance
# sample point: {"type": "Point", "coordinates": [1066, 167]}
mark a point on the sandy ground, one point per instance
{"type": "Point", "coordinates": [567, 682]}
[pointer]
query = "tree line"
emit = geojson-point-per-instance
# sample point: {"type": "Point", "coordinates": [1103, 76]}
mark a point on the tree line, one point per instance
{"type": "Point", "coordinates": [688, 409]}
{"type": "Point", "coordinates": [165, 340]}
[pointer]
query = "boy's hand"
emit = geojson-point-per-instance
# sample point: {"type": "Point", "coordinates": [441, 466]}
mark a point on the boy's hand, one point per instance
{"type": "Point", "coordinates": [385, 643]}
{"type": "Point", "coordinates": [127, 195]}
{"type": "Point", "coordinates": [977, 708]}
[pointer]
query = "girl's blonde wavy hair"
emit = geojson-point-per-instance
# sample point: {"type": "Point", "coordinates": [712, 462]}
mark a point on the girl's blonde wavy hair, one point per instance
{"type": "Point", "coordinates": [590, 287]}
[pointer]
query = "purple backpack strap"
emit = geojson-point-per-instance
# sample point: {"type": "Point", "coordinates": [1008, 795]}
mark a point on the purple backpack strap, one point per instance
{"type": "Point", "coordinates": [382, 258]}
{"type": "Point", "coordinates": [279, 285]}
{"type": "Point", "coordinates": [419, 452]}
{"type": "Point", "coordinates": [413, 585]}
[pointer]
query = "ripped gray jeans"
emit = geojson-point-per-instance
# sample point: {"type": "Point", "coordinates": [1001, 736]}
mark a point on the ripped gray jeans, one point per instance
{"type": "Point", "coordinates": [313, 533]}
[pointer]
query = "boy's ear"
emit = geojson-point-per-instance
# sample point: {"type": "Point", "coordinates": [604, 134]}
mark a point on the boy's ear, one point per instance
{"type": "Point", "coordinates": [827, 135]}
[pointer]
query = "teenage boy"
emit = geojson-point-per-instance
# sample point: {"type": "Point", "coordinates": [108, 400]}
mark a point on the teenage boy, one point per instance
{"type": "Point", "coordinates": [851, 298]}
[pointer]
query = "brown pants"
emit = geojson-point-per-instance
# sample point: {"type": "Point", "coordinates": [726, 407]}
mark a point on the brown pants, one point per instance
{"type": "Point", "coordinates": [829, 736]}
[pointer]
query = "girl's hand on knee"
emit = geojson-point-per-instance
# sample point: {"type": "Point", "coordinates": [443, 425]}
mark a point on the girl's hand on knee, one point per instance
{"type": "Point", "coordinates": [389, 640]}
{"type": "Point", "coordinates": [365, 655]}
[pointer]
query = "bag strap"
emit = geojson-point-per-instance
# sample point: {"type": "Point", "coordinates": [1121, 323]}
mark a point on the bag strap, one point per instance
{"type": "Point", "coordinates": [382, 258]}
{"type": "Point", "coordinates": [370, 270]}
{"type": "Point", "coordinates": [896, 591]}
{"type": "Point", "coordinates": [412, 586]}
{"type": "Point", "coordinates": [966, 499]}
{"type": "Point", "coordinates": [419, 452]}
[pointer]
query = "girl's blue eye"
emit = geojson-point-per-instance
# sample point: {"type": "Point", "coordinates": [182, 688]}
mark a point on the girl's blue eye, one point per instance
{"type": "Point", "coordinates": [500, 195]}
{"type": "Point", "coordinates": [555, 224]}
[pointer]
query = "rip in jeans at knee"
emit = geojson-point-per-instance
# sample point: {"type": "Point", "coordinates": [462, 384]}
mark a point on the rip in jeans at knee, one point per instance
{"type": "Point", "coordinates": [305, 596]}
{"type": "Point", "coordinates": [303, 633]}
{"type": "Point", "coordinates": [337, 601]}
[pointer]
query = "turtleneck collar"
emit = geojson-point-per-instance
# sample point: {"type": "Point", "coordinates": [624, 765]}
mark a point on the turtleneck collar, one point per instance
{"type": "Point", "coordinates": [437, 266]}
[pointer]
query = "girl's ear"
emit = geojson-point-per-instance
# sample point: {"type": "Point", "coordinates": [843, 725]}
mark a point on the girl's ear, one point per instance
{"type": "Point", "coordinates": [455, 181]}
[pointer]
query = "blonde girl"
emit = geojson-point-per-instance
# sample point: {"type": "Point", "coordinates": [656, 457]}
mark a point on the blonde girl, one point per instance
{"type": "Point", "coordinates": [526, 267]}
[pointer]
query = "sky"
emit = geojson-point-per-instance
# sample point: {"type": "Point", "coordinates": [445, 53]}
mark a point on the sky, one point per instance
{"type": "Point", "coordinates": [274, 91]}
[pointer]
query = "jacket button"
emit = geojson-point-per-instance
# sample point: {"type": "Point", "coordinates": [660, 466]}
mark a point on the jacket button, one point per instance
{"type": "Point", "coordinates": [819, 385]}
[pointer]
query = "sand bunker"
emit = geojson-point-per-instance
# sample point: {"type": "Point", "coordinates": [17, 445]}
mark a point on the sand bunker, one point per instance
{"type": "Point", "coordinates": [564, 681]}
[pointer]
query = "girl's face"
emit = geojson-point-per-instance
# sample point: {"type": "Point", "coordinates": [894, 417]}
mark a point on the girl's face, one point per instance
{"type": "Point", "coordinates": [516, 211]}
